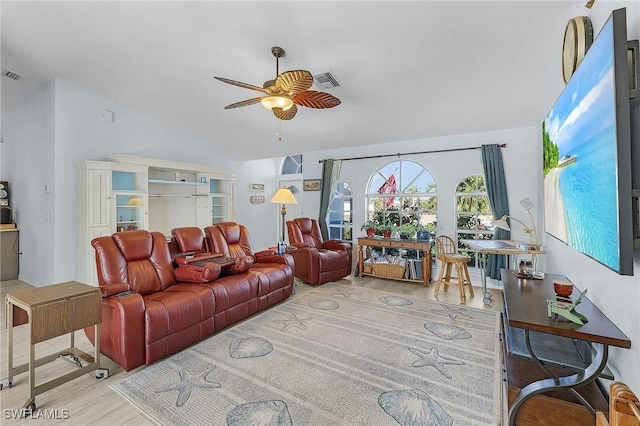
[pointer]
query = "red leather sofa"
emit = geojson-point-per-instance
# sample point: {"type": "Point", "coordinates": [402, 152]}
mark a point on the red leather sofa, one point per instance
{"type": "Point", "coordinates": [317, 261]}
{"type": "Point", "coordinates": [153, 308]}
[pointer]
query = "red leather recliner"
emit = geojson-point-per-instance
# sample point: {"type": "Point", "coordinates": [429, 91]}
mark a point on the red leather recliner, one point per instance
{"type": "Point", "coordinates": [274, 272]}
{"type": "Point", "coordinates": [317, 261]}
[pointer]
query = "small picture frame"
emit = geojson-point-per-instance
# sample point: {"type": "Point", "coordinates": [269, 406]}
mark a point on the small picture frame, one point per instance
{"type": "Point", "coordinates": [203, 179]}
{"type": "Point", "coordinates": [257, 187]}
{"type": "Point", "coordinates": [257, 199]}
{"type": "Point", "coordinates": [311, 184]}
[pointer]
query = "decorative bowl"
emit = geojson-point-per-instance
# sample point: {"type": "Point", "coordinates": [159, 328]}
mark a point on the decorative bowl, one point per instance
{"type": "Point", "coordinates": [563, 288]}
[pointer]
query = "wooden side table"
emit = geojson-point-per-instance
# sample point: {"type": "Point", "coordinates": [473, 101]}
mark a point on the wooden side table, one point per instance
{"type": "Point", "coordinates": [53, 311]}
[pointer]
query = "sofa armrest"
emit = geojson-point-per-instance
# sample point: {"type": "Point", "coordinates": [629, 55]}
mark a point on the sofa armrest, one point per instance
{"type": "Point", "coordinates": [268, 256]}
{"type": "Point", "coordinates": [299, 245]}
{"type": "Point", "coordinates": [336, 245]}
{"type": "Point", "coordinates": [122, 330]}
{"type": "Point", "coordinates": [197, 274]}
{"type": "Point", "coordinates": [242, 264]}
{"type": "Point", "coordinates": [115, 288]}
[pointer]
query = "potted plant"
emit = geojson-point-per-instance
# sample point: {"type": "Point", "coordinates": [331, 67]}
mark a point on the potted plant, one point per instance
{"type": "Point", "coordinates": [386, 230]}
{"type": "Point", "coordinates": [370, 227]}
{"type": "Point", "coordinates": [407, 231]}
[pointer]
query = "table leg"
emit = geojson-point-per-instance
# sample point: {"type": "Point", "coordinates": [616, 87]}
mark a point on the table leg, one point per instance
{"type": "Point", "coordinates": [10, 344]}
{"type": "Point", "coordinates": [483, 277]}
{"type": "Point", "coordinates": [360, 261]}
{"type": "Point", "coordinates": [569, 382]}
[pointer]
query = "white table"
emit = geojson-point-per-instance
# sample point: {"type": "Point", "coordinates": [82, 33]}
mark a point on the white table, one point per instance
{"type": "Point", "coordinates": [504, 247]}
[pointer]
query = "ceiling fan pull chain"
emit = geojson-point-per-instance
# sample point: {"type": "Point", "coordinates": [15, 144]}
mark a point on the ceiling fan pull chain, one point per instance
{"type": "Point", "coordinates": [279, 130]}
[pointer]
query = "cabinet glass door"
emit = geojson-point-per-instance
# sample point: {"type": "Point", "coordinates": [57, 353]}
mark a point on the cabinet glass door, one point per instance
{"type": "Point", "coordinates": [219, 208]}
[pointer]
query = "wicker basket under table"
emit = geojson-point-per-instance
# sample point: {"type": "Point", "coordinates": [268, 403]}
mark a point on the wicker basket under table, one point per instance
{"type": "Point", "coordinates": [389, 270]}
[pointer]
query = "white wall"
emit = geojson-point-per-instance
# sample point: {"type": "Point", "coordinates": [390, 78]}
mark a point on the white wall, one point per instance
{"type": "Point", "coordinates": [44, 138]}
{"type": "Point", "coordinates": [28, 164]}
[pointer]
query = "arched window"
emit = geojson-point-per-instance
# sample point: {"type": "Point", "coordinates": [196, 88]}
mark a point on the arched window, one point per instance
{"type": "Point", "coordinates": [292, 165]}
{"type": "Point", "coordinates": [473, 214]}
{"type": "Point", "coordinates": [402, 192]}
{"type": "Point", "coordinates": [339, 217]}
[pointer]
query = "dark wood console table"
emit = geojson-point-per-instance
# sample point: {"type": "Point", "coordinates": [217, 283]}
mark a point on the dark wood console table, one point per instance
{"type": "Point", "coordinates": [525, 307]}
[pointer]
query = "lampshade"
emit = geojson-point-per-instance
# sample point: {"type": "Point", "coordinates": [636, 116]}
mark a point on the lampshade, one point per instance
{"type": "Point", "coordinates": [134, 201]}
{"type": "Point", "coordinates": [501, 223]}
{"type": "Point", "coordinates": [284, 196]}
{"type": "Point", "coordinates": [271, 102]}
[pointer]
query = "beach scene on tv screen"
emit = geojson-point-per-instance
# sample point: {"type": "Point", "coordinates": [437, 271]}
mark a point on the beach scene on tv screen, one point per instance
{"type": "Point", "coordinates": [580, 158]}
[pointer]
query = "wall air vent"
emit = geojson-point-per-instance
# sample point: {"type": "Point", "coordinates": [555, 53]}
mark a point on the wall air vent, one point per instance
{"type": "Point", "coordinates": [10, 74]}
{"type": "Point", "coordinates": [326, 80]}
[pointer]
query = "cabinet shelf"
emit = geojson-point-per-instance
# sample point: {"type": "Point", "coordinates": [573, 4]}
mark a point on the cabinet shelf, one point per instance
{"type": "Point", "coordinates": [177, 195]}
{"type": "Point", "coordinates": [176, 182]}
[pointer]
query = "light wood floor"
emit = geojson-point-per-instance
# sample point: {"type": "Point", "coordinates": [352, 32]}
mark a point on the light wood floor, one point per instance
{"type": "Point", "coordinates": [87, 400]}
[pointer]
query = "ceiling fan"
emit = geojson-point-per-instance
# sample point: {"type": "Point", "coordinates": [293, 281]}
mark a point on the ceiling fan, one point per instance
{"type": "Point", "coordinates": [283, 94]}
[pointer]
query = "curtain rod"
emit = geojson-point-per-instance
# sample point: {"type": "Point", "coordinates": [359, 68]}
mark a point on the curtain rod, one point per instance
{"type": "Point", "coordinates": [504, 145]}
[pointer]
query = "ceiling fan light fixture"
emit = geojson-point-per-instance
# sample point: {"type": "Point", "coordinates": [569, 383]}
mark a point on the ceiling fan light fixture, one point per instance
{"type": "Point", "coordinates": [271, 102]}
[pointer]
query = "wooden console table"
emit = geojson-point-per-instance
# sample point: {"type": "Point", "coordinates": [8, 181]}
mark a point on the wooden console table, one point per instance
{"type": "Point", "coordinates": [525, 307]}
{"type": "Point", "coordinates": [53, 311]}
{"type": "Point", "coordinates": [423, 247]}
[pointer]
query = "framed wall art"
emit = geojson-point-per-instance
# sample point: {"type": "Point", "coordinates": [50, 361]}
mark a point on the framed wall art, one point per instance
{"type": "Point", "coordinates": [257, 199]}
{"type": "Point", "coordinates": [311, 184]}
{"type": "Point", "coordinates": [257, 187]}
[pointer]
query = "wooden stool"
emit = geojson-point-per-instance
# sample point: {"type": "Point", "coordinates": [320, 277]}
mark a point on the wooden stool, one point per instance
{"type": "Point", "coordinates": [449, 257]}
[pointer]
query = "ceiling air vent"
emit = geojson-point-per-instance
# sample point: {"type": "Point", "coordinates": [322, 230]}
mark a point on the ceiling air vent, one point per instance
{"type": "Point", "coordinates": [10, 74]}
{"type": "Point", "coordinates": [326, 80]}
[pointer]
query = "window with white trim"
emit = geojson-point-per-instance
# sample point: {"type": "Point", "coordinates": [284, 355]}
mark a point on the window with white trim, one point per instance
{"type": "Point", "coordinates": [340, 214]}
{"type": "Point", "coordinates": [473, 215]}
{"type": "Point", "coordinates": [402, 192]}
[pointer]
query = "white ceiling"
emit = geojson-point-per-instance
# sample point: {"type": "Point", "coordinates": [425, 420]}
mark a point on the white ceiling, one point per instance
{"type": "Point", "coordinates": [408, 70]}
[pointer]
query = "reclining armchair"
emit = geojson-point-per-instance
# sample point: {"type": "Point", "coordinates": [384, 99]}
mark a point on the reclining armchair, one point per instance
{"type": "Point", "coordinates": [317, 261]}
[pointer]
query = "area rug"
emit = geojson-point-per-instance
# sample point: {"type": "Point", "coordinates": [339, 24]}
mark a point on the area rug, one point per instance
{"type": "Point", "coordinates": [334, 355]}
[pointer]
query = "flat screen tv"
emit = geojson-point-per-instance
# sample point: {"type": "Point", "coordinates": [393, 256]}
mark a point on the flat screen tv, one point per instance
{"type": "Point", "coordinates": [587, 154]}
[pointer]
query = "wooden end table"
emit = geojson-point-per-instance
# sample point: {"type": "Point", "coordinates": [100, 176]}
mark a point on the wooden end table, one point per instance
{"type": "Point", "coordinates": [53, 311]}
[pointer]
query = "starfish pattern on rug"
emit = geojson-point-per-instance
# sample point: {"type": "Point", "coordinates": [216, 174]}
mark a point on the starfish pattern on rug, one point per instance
{"type": "Point", "coordinates": [453, 311]}
{"type": "Point", "coordinates": [188, 382]}
{"type": "Point", "coordinates": [293, 321]}
{"type": "Point", "coordinates": [433, 359]}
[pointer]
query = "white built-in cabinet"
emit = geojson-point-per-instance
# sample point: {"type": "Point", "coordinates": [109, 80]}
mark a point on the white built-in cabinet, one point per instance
{"type": "Point", "coordinates": [111, 197]}
{"type": "Point", "coordinates": [126, 193]}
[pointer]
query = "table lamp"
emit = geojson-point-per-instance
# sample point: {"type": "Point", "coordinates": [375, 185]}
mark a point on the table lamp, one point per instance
{"type": "Point", "coordinates": [283, 196]}
{"type": "Point", "coordinates": [503, 224]}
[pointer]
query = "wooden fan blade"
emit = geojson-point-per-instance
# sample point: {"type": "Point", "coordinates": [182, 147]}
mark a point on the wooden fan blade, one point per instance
{"type": "Point", "coordinates": [241, 84]}
{"type": "Point", "coordinates": [292, 82]}
{"type": "Point", "coordinates": [313, 99]}
{"type": "Point", "coordinates": [285, 115]}
{"type": "Point", "coordinates": [244, 103]}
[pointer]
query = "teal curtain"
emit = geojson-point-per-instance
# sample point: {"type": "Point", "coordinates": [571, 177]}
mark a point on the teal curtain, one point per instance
{"type": "Point", "coordinates": [330, 177]}
{"type": "Point", "coordinates": [497, 193]}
